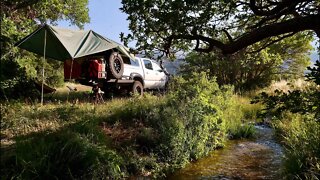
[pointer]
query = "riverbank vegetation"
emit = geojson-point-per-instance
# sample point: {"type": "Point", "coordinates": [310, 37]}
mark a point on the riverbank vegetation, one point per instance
{"type": "Point", "coordinates": [147, 136]}
{"type": "Point", "coordinates": [70, 138]}
{"type": "Point", "coordinates": [295, 115]}
{"type": "Point", "coordinates": [300, 135]}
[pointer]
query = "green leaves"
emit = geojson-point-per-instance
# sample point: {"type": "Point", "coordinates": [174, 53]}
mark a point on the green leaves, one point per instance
{"type": "Point", "coordinates": [179, 25]}
{"type": "Point", "coordinates": [296, 101]}
{"type": "Point", "coordinates": [19, 19]}
{"type": "Point", "coordinates": [248, 69]}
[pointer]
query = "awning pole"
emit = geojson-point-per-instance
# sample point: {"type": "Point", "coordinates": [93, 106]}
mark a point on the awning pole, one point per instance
{"type": "Point", "coordinates": [71, 70]}
{"type": "Point", "coordinates": [44, 59]}
{"type": "Point", "coordinates": [70, 77]}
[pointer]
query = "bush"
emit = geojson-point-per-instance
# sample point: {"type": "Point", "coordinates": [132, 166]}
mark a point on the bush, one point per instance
{"type": "Point", "coordinates": [193, 119]}
{"type": "Point", "coordinates": [297, 118]}
{"type": "Point", "coordinates": [301, 137]}
{"type": "Point", "coordinates": [157, 134]}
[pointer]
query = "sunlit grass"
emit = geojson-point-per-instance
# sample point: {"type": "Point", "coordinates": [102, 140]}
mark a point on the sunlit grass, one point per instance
{"type": "Point", "coordinates": [150, 135]}
{"type": "Point", "coordinates": [300, 135]}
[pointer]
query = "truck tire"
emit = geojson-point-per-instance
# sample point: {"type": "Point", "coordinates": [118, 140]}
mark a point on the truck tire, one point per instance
{"type": "Point", "coordinates": [137, 88]}
{"type": "Point", "coordinates": [116, 67]}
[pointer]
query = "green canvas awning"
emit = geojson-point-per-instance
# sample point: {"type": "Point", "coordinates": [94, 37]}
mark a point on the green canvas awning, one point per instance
{"type": "Point", "coordinates": [62, 44]}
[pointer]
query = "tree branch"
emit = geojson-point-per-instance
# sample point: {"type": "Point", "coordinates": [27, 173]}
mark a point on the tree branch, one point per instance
{"type": "Point", "coordinates": [291, 26]}
{"type": "Point", "coordinates": [278, 8]}
{"type": "Point", "coordinates": [228, 35]}
{"type": "Point", "coordinates": [272, 42]}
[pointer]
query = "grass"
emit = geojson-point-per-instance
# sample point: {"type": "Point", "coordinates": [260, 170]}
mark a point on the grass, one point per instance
{"type": "Point", "coordinates": [242, 116]}
{"type": "Point", "coordinates": [53, 140]}
{"type": "Point", "coordinates": [298, 84]}
{"type": "Point", "coordinates": [148, 136]}
{"type": "Point", "coordinates": [300, 135]}
{"type": "Point", "coordinates": [297, 127]}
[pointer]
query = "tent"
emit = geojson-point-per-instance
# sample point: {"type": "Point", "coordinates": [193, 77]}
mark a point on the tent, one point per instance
{"type": "Point", "coordinates": [62, 44]}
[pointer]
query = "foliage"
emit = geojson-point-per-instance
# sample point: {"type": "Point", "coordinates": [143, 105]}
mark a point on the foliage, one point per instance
{"type": "Point", "coordinates": [192, 120]}
{"type": "Point", "coordinates": [301, 137]}
{"type": "Point", "coordinates": [51, 10]}
{"type": "Point", "coordinates": [62, 155]}
{"type": "Point", "coordinates": [299, 114]}
{"type": "Point", "coordinates": [248, 71]}
{"type": "Point", "coordinates": [314, 74]}
{"type": "Point", "coordinates": [172, 26]}
{"type": "Point", "coordinates": [143, 136]}
{"type": "Point", "coordinates": [297, 101]}
{"type": "Point", "coordinates": [18, 19]}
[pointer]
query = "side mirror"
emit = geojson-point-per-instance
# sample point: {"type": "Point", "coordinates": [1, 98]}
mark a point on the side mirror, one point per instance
{"type": "Point", "coordinates": [160, 70]}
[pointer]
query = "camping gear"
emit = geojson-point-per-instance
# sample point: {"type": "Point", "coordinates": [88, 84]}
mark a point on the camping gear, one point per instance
{"type": "Point", "coordinates": [76, 69]}
{"type": "Point", "coordinates": [62, 44]}
{"type": "Point", "coordinates": [94, 68]}
{"type": "Point", "coordinates": [44, 88]}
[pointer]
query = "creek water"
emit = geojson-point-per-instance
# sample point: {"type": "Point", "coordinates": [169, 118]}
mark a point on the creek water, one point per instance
{"type": "Point", "coordinates": [259, 158]}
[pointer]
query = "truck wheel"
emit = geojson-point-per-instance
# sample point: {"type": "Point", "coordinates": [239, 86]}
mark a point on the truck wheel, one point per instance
{"type": "Point", "coordinates": [116, 66]}
{"type": "Point", "coordinates": [137, 88]}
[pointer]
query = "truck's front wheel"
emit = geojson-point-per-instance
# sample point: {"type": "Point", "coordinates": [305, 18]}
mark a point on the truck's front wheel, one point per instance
{"type": "Point", "coordinates": [137, 88]}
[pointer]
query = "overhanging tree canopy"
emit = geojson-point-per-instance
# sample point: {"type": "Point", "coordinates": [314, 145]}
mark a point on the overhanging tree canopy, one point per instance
{"type": "Point", "coordinates": [227, 25]}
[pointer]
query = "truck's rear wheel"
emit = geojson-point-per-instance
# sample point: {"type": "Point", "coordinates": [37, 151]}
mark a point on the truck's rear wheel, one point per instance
{"type": "Point", "coordinates": [137, 88]}
{"type": "Point", "coordinates": [116, 66]}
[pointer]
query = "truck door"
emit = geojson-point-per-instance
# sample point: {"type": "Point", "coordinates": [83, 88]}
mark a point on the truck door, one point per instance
{"type": "Point", "coordinates": [150, 74]}
{"type": "Point", "coordinates": [160, 76]}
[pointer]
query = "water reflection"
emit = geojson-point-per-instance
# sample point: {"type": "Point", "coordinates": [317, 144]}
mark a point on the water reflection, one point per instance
{"type": "Point", "coordinates": [241, 159]}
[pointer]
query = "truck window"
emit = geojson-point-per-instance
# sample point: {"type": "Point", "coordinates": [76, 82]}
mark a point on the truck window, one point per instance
{"type": "Point", "coordinates": [129, 61]}
{"type": "Point", "coordinates": [126, 60]}
{"type": "Point", "coordinates": [134, 62]}
{"type": "Point", "coordinates": [147, 64]}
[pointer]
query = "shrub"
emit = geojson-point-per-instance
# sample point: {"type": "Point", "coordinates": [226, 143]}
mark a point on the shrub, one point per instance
{"type": "Point", "coordinates": [301, 137]}
{"type": "Point", "coordinates": [163, 133]}
{"type": "Point", "coordinates": [297, 116]}
{"type": "Point", "coordinates": [189, 122]}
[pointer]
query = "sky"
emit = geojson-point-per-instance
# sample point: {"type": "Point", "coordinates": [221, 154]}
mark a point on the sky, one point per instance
{"type": "Point", "coordinates": [105, 19]}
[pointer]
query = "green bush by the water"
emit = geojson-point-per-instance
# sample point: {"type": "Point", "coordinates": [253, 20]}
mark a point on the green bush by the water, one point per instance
{"type": "Point", "coordinates": [296, 115]}
{"type": "Point", "coordinates": [301, 137]}
{"type": "Point", "coordinates": [147, 136]}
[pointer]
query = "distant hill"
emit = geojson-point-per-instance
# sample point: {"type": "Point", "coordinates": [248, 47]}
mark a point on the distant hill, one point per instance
{"type": "Point", "coordinates": [173, 67]}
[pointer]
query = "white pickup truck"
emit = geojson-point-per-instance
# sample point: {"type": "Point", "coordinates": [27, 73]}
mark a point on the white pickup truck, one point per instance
{"type": "Point", "coordinates": [115, 72]}
{"type": "Point", "coordinates": [146, 73]}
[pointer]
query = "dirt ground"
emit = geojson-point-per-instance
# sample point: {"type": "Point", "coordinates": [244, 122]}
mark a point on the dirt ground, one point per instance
{"type": "Point", "coordinates": [79, 87]}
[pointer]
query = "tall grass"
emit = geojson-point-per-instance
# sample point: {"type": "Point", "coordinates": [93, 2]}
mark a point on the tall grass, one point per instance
{"type": "Point", "coordinates": [301, 137]}
{"type": "Point", "coordinates": [57, 141]}
{"type": "Point", "coordinates": [144, 136]}
{"type": "Point", "coordinates": [241, 117]}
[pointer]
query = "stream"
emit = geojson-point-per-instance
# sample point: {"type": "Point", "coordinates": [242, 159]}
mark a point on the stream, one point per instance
{"type": "Point", "coordinates": [258, 158]}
